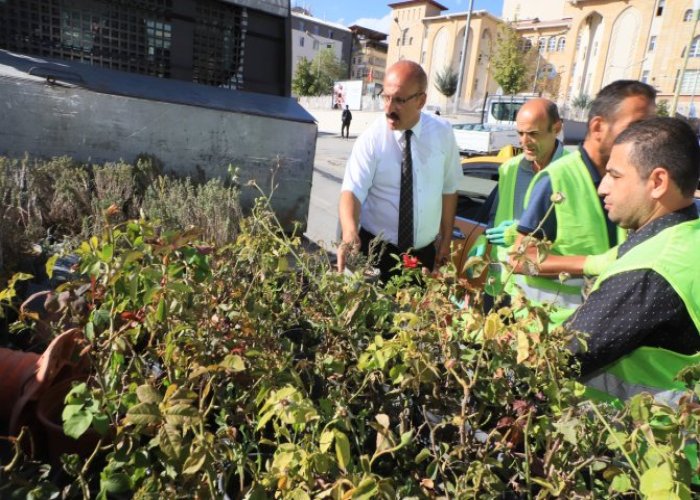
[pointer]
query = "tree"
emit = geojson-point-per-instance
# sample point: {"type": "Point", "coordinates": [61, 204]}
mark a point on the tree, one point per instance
{"type": "Point", "coordinates": [446, 81]}
{"type": "Point", "coordinates": [304, 81]}
{"type": "Point", "coordinates": [581, 103]}
{"type": "Point", "coordinates": [328, 70]}
{"type": "Point", "coordinates": [508, 66]}
{"type": "Point", "coordinates": [662, 107]}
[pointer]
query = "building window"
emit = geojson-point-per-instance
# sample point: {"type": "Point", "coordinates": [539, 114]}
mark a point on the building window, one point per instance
{"type": "Point", "coordinates": [652, 44]}
{"type": "Point", "coordinates": [301, 25]}
{"type": "Point", "coordinates": [578, 42]}
{"type": "Point", "coordinates": [410, 41]}
{"type": "Point", "coordinates": [688, 16]}
{"type": "Point", "coordinates": [301, 41]}
{"type": "Point", "coordinates": [315, 44]}
{"type": "Point", "coordinates": [660, 7]}
{"type": "Point", "coordinates": [561, 45]}
{"type": "Point", "coordinates": [526, 44]}
{"type": "Point", "coordinates": [330, 34]}
{"type": "Point", "coordinates": [422, 58]}
{"type": "Point", "coordinates": [645, 76]}
{"type": "Point", "coordinates": [541, 43]}
{"type": "Point", "coordinates": [695, 47]}
{"type": "Point", "coordinates": [552, 45]}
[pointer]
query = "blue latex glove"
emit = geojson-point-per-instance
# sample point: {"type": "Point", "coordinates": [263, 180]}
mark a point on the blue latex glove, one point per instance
{"type": "Point", "coordinates": [504, 234]}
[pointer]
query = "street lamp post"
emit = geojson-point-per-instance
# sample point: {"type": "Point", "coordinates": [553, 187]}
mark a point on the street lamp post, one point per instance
{"type": "Point", "coordinates": [679, 84]}
{"type": "Point", "coordinates": [462, 59]}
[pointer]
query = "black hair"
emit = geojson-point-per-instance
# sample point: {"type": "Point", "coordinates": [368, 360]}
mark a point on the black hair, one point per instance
{"type": "Point", "coordinates": [552, 113]}
{"type": "Point", "coordinates": [610, 97]}
{"type": "Point", "coordinates": [665, 142]}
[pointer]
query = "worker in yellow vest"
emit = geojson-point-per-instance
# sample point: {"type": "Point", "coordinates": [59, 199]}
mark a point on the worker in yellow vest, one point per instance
{"type": "Point", "coordinates": [643, 315]}
{"type": "Point", "coordinates": [538, 124]}
{"type": "Point", "coordinates": [577, 225]}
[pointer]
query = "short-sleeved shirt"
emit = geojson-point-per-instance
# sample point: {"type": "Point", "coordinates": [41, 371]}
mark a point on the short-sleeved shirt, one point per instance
{"type": "Point", "coordinates": [525, 174]}
{"type": "Point", "coordinates": [540, 201]}
{"type": "Point", "coordinates": [373, 175]}
{"type": "Point", "coordinates": [635, 308]}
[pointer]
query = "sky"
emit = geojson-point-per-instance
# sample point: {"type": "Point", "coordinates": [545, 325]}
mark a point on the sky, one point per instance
{"type": "Point", "coordinates": [375, 14]}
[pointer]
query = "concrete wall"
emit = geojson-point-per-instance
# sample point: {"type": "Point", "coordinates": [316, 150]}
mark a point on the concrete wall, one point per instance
{"type": "Point", "coordinates": [45, 120]}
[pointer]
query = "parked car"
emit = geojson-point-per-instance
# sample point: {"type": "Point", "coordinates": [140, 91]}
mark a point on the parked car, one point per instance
{"type": "Point", "coordinates": [480, 179]}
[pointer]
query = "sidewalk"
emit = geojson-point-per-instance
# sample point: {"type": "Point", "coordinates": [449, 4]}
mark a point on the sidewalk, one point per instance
{"type": "Point", "coordinates": [329, 120]}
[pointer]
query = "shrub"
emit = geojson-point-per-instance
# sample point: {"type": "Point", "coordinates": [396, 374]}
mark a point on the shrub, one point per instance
{"type": "Point", "coordinates": [253, 370]}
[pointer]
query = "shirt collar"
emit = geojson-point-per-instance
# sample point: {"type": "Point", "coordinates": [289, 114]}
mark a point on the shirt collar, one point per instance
{"type": "Point", "coordinates": [416, 129]}
{"type": "Point", "coordinates": [595, 175]}
{"type": "Point", "coordinates": [526, 164]}
{"type": "Point", "coordinates": [657, 225]}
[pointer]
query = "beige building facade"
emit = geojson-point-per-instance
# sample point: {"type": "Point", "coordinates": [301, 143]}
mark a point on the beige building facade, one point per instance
{"type": "Point", "coordinates": [582, 45]}
{"type": "Point", "coordinates": [608, 40]}
{"type": "Point", "coordinates": [420, 32]}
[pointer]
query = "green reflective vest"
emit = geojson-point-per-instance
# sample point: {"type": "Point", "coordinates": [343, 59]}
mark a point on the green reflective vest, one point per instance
{"type": "Point", "coordinates": [507, 181]}
{"type": "Point", "coordinates": [581, 229]}
{"type": "Point", "coordinates": [671, 253]}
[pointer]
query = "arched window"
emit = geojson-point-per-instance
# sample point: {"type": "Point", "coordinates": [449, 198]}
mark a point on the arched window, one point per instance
{"type": "Point", "coordinates": [561, 44]}
{"type": "Point", "coordinates": [695, 47]}
{"type": "Point", "coordinates": [541, 44]}
{"type": "Point", "coordinates": [552, 44]}
{"type": "Point", "coordinates": [688, 15]}
{"type": "Point", "coordinates": [526, 44]}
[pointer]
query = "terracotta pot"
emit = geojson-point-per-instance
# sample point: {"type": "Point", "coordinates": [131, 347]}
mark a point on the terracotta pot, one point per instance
{"type": "Point", "coordinates": [49, 410]}
{"type": "Point", "coordinates": [17, 369]}
{"type": "Point", "coordinates": [25, 376]}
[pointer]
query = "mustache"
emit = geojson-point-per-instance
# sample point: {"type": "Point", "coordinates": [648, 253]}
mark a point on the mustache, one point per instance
{"type": "Point", "coordinates": [392, 116]}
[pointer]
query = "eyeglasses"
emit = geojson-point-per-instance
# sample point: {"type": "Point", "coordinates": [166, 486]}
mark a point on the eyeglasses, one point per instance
{"type": "Point", "coordinates": [400, 101]}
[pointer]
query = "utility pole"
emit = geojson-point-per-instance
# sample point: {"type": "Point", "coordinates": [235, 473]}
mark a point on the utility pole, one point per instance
{"type": "Point", "coordinates": [461, 70]}
{"type": "Point", "coordinates": [679, 83]}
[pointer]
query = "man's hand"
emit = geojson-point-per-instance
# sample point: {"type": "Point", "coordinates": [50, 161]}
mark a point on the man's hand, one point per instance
{"type": "Point", "coordinates": [504, 234]}
{"type": "Point", "coordinates": [349, 245]}
{"type": "Point", "coordinates": [442, 253]}
{"type": "Point", "coordinates": [595, 265]}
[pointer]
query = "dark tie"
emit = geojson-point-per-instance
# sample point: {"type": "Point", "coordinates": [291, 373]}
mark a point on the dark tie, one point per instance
{"type": "Point", "coordinates": [406, 198]}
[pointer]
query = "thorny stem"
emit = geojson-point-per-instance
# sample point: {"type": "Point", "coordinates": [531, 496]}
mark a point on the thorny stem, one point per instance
{"type": "Point", "coordinates": [616, 439]}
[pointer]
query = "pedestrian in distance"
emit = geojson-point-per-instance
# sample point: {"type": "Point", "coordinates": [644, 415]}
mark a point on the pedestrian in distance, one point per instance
{"type": "Point", "coordinates": [345, 118]}
{"type": "Point", "coordinates": [643, 315]}
{"type": "Point", "coordinates": [400, 185]}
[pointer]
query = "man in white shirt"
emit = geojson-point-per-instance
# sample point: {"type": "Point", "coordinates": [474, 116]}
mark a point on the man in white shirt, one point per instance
{"type": "Point", "coordinates": [409, 158]}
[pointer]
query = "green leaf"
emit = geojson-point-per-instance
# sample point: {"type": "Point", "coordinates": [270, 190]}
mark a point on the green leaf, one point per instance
{"type": "Point", "coordinates": [366, 490]}
{"type": "Point", "coordinates": [161, 310]}
{"type": "Point", "coordinates": [147, 394]}
{"type": "Point", "coordinates": [194, 461]}
{"type": "Point", "coordinates": [233, 362]}
{"type": "Point", "coordinates": [621, 483]}
{"type": "Point", "coordinates": [78, 423]}
{"type": "Point", "coordinates": [114, 482]}
{"type": "Point", "coordinates": [424, 454]}
{"type": "Point", "coordinates": [326, 441]}
{"type": "Point", "coordinates": [342, 449]}
{"type": "Point", "coordinates": [657, 481]}
{"type": "Point", "coordinates": [107, 253]}
{"type": "Point", "coordinates": [170, 440]}
{"type": "Point", "coordinates": [50, 264]}
{"type": "Point", "coordinates": [143, 414]}
{"type": "Point", "coordinates": [181, 414]}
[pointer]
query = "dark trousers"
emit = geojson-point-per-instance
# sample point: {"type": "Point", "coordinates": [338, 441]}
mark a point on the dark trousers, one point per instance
{"type": "Point", "coordinates": [345, 130]}
{"type": "Point", "coordinates": [381, 255]}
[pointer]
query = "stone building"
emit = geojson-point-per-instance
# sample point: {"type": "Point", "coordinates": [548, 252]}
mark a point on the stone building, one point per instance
{"type": "Point", "coordinates": [369, 50]}
{"type": "Point", "coordinates": [421, 32]}
{"type": "Point", "coordinates": [310, 35]}
{"type": "Point", "coordinates": [582, 45]}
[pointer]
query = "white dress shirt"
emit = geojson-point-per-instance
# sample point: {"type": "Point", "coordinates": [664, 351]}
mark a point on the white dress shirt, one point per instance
{"type": "Point", "coordinates": [373, 174]}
